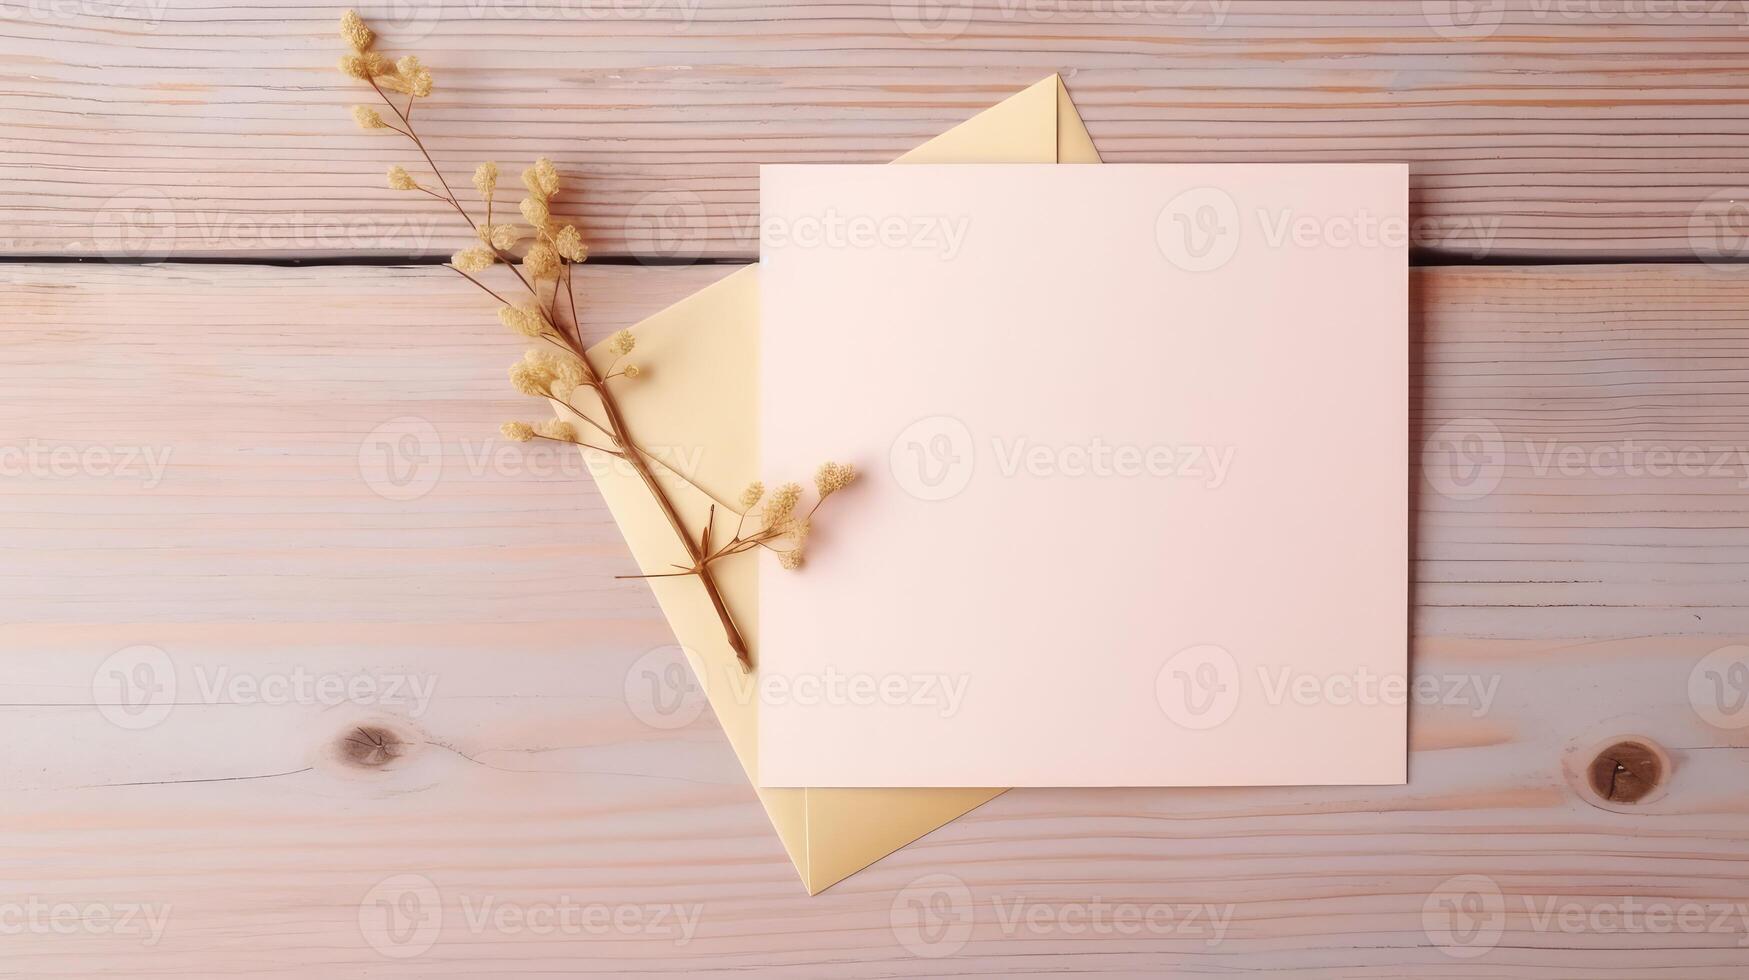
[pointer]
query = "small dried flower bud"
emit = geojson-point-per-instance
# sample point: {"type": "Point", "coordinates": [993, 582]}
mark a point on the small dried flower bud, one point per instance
{"type": "Point", "coordinates": [833, 477]}
{"type": "Point", "coordinates": [367, 118]}
{"type": "Point", "coordinates": [517, 431]}
{"type": "Point", "coordinates": [566, 368]}
{"type": "Point", "coordinates": [525, 320]}
{"type": "Point", "coordinates": [472, 260]}
{"type": "Point", "coordinates": [503, 237]}
{"type": "Point", "coordinates": [557, 429]}
{"type": "Point", "coordinates": [355, 66]}
{"type": "Point", "coordinates": [353, 31]}
{"type": "Point", "coordinates": [376, 64]}
{"type": "Point", "coordinates": [415, 77]}
{"type": "Point", "coordinates": [486, 179]}
{"type": "Point", "coordinates": [561, 389]}
{"type": "Point", "coordinates": [535, 212]}
{"type": "Point", "coordinates": [569, 242]}
{"type": "Point", "coordinates": [753, 493]}
{"type": "Point", "coordinates": [547, 366]}
{"type": "Point", "coordinates": [623, 343]}
{"type": "Point", "coordinates": [541, 261]}
{"type": "Point", "coordinates": [562, 366]}
{"type": "Point", "coordinates": [632, 370]}
{"type": "Point", "coordinates": [401, 180]}
{"type": "Point", "coordinates": [530, 378]}
{"type": "Point", "coordinates": [542, 179]}
{"type": "Point", "coordinates": [782, 503]}
{"type": "Point", "coordinates": [791, 559]}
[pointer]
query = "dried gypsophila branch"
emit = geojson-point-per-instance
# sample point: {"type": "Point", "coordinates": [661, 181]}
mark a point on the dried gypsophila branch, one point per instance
{"type": "Point", "coordinates": [551, 254]}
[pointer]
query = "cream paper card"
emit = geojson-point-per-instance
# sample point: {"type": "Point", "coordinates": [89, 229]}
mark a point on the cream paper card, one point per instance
{"type": "Point", "coordinates": [1136, 442]}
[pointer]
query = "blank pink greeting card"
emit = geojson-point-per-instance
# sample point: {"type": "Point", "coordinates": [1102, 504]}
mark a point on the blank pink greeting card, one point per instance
{"type": "Point", "coordinates": [1134, 505]}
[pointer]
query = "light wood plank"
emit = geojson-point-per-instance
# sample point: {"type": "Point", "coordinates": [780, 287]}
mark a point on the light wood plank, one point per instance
{"type": "Point", "coordinates": [208, 127]}
{"type": "Point", "coordinates": [531, 778]}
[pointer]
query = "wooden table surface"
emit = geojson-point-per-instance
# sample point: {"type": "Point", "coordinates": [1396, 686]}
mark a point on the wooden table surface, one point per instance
{"type": "Point", "coordinates": [306, 672]}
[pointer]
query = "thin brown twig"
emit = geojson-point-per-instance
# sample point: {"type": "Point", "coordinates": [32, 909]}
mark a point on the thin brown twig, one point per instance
{"type": "Point", "coordinates": [701, 551]}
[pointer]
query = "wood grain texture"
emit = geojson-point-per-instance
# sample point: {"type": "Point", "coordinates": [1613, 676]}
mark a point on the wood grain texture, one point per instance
{"type": "Point", "coordinates": [206, 127]}
{"type": "Point", "coordinates": [333, 504]}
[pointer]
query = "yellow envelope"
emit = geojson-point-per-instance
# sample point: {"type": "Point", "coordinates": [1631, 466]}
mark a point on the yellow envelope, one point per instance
{"type": "Point", "coordinates": [696, 406]}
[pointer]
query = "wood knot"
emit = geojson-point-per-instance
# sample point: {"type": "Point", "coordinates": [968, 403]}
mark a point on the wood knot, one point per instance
{"type": "Point", "coordinates": [371, 746]}
{"type": "Point", "coordinates": [1626, 772]}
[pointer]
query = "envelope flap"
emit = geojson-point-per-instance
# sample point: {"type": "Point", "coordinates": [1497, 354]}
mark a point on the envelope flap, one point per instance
{"type": "Point", "coordinates": [1020, 129]}
{"type": "Point", "coordinates": [1073, 143]}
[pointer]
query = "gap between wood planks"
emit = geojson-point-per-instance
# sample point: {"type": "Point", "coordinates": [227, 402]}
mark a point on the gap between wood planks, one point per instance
{"type": "Point", "coordinates": [1418, 258]}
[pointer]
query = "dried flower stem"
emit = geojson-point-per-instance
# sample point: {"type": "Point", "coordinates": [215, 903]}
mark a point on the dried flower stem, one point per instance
{"type": "Point", "coordinates": [694, 551]}
{"type": "Point", "coordinates": [615, 428]}
{"type": "Point", "coordinates": [554, 253]}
